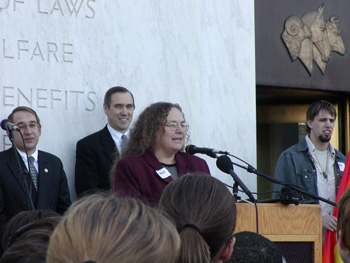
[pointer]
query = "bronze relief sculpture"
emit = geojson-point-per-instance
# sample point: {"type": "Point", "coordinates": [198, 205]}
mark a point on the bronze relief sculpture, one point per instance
{"type": "Point", "coordinates": [312, 38]}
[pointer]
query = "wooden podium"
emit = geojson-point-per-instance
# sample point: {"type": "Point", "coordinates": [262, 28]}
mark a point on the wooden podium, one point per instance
{"type": "Point", "coordinates": [284, 223]}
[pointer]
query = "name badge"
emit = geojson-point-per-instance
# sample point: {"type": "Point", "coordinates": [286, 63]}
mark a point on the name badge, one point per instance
{"type": "Point", "coordinates": [163, 173]}
{"type": "Point", "coordinates": [341, 166]}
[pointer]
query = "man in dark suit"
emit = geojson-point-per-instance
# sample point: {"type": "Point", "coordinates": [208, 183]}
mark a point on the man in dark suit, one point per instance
{"type": "Point", "coordinates": [96, 153]}
{"type": "Point", "coordinates": [37, 184]}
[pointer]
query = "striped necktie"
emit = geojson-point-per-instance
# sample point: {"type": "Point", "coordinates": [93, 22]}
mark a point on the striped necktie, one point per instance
{"type": "Point", "coordinates": [124, 142]}
{"type": "Point", "coordinates": [33, 172]}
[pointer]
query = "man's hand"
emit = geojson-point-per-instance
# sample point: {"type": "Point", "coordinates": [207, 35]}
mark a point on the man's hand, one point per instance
{"type": "Point", "coordinates": [329, 222]}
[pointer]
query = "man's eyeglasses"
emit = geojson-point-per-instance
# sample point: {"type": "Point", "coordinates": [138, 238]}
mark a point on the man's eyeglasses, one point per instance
{"type": "Point", "coordinates": [174, 126]}
{"type": "Point", "coordinates": [32, 125]}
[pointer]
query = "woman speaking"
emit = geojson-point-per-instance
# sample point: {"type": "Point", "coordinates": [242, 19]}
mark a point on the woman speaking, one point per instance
{"type": "Point", "coordinates": [154, 156]}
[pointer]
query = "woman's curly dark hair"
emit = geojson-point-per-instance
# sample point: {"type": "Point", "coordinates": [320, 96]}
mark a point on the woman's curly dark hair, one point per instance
{"type": "Point", "coordinates": [143, 135]}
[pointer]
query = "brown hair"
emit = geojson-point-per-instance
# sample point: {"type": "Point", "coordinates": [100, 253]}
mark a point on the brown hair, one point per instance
{"type": "Point", "coordinates": [104, 228]}
{"type": "Point", "coordinates": [144, 133]}
{"type": "Point", "coordinates": [204, 212]}
{"type": "Point", "coordinates": [21, 219]}
{"type": "Point", "coordinates": [24, 108]}
{"type": "Point", "coordinates": [116, 89]}
{"type": "Point", "coordinates": [31, 242]}
{"type": "Point", "coordinates": [316, 107]}
{"type": "Point", "coordinates": [344, 218]}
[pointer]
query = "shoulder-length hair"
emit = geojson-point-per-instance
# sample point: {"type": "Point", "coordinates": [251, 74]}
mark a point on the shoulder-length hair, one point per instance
{"type": "Point", "coordinates": [143, 135]}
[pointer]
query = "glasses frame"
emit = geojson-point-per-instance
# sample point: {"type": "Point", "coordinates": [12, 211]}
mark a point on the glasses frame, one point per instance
{"type": "Point", "coordinates": [174, 126]}
{"type": "Point", "coordinates": [31, 125]}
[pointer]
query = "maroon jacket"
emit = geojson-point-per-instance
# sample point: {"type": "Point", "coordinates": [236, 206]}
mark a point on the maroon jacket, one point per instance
{"type": "Point", "coordinates": [136, 176]}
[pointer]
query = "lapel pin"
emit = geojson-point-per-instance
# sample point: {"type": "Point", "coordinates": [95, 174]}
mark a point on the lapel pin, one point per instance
{"type": "Point", "coordinates": [45, 170]}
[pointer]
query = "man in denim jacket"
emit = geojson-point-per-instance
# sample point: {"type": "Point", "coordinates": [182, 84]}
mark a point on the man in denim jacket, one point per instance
{"type": "Point", "coordinates": [313, 164]}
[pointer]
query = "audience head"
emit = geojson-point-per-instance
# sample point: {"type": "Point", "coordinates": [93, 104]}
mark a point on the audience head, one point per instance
{"type": "Point", "coordinates": [253, 248]}
{"type": "Point", "coordinates": [343, 226]}
{"type": "Point", "coordinates": [204, 212]}
{"type": "Point", "coordinates": [103, 228]}
{"type": "Point", "coordinates": [150, 128]}
{"type": "Point", "coordinates": [29, 243]}
{"type": "Point", "coordinates": [119, 106]}
{"type": "Point", "coordinates": [21, 219]}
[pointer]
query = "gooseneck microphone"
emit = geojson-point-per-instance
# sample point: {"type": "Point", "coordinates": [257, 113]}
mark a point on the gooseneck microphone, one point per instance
{"type": "Point", "coordinates": [225, 165]}
{"type": "Point", "coordinates": [7, 125]}
{"type": "Point", "coordinates": [191, 149]}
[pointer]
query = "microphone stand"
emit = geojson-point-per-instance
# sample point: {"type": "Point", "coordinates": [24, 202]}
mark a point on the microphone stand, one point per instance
{"type": "Point", "coordinates": [224, 163]}
{"type": "Point", "coordinates": [22, 174]}
{"type": "Point", "coordinates": [235, 191]}
{"type": "Point", "coordinates": [251, 169]}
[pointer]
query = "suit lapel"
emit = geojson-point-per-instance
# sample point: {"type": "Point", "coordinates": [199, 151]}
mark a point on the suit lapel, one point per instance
{"type": "Point", "coordinates": [183, 165]}
{"type": "Point", "coordinates": [152, 161]}
{"type": "Point", "coordinates": [45, 179]}
{"type": "Point", "coordinates": [15, 170]}
{"type": "Point", "coordinates": [108, 144]}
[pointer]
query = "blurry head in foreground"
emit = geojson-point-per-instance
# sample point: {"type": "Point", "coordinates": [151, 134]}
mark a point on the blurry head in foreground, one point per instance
{"type": "Point", "coordinates": [103, 228]}
{"type": "Point", "coordinates": [251, 247]}
{"type": "Point", "coordinates": [204, 212]}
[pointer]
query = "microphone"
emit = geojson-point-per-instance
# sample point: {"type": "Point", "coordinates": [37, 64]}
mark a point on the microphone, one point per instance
{"type": "Point", "coordinates": [191, 149]}
{"type": "Point", "coordinates": [289, 196]}
{"type": "Point", "coordinates": [7, 125]}
{"type": "Point", "coordinates": [225, 165]}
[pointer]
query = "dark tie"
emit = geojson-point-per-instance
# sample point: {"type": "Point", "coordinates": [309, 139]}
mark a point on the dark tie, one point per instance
{"type": "Point", "coordinates": [124, 142]}
{"type": "Point", "coordinates": [33, 172]}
